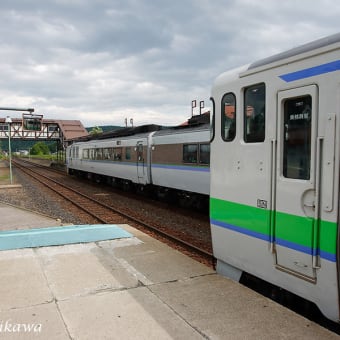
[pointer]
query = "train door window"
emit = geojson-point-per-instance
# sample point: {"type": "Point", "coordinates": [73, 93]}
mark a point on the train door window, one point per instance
{"type": "Point", "coordinates": [254, 113]}
{"type": "Point", "coordinates": [190, 153]}
{"type": "Point", "coordinates": [204, 153]}
{"type": "Point", "coordinates": [140, 157]}
{"type": "Point", "coordinates": [297, 138]}
{"type": "Point", "coordinates": [228, 118]}
{"type": "Point", "coordinates": [128, 153]}
{"type": "Point", "coordinates": [74, 151]}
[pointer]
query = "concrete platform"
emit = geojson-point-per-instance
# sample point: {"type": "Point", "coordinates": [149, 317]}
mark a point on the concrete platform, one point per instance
{"type": "Point", "coordinates": [56, 236]}
{"type": "Point", "coordinates": [131, 288]}
{"type": "Point", "coordinates": [12, 218]}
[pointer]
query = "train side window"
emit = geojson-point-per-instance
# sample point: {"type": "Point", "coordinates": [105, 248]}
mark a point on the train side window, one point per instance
{"type": "Point", "coordinates": [86, 154]}
{"type": "Point", "coordinates": [128, 153]}
{"type": "Point", "coordinates": [99, 154]}
{"type": "Point", "coordinates": [117, 154]}
{"type": "Point", "coordinates": [204, 153]}
{"type": "Point", "coordinates": [106, 154]}
{"type": "Point", "coordinates": [190, 153]}
{"type": "Point", "coordinates": [297, 138]}
{"type": "Point", "coordinates": [254, 113]}
{"type": "Point", "coordinates": [228, 118]}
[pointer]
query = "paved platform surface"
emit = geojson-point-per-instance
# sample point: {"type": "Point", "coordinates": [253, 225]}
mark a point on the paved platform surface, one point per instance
{"type": "Point", "coordinates": [131, 288]}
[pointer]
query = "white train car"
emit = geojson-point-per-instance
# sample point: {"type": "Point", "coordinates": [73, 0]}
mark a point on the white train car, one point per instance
{"type": "Point", "coordinates": [274, 204]}
{"type": "Point", "coordinates": [120, 158]}
{"type": "Point", "coordinates": [181, 158]}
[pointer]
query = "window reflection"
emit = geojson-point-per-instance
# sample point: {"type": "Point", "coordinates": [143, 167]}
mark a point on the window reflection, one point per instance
{"type": "Point", "coordinates": [228, 117]}
{"type": "Point", "coordinates": [297, 138]}
{"type": "Point", "coordinates": [254, 113]}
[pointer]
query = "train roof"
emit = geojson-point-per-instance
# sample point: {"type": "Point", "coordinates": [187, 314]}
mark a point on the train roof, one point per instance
{"type": "Point", "coordinates": [123, 132]}
{"type": "Point", "coordinates": [323, 42]}
{"type": "Point", "coordinates": [183, 129]}
{"type": "Point", "coordinates": [192, 123]}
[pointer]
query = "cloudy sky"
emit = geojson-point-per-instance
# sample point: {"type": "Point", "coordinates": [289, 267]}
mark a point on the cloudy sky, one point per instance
{"type": "Point", "coordinates": [101, 61]}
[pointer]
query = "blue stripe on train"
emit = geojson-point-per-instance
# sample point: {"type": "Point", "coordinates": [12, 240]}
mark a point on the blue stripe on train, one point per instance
{"type": "Point", "coordinates": [312, 71]}
{"type": "Point", "coordinates": [181, 167]}
{"type": "Point", "coordinates": [307, 250]}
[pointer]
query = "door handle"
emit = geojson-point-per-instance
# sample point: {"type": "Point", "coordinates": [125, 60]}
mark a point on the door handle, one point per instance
{"type": "Point", "coordinates": [309, 205]}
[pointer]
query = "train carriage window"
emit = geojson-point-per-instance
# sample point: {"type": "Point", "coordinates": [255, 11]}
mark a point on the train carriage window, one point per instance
{"type": "Point", "coordinates": [111, 153]}
{"type": "Point", "coordinates": [106, 154]}
{"type": "Point", "coordinates": [297, 138]}
{"type": "Point", "coordinates": [117, 156]}
{"type": "Point", "coordinates": [86, 154]}
{"type": "Point", "coordinates": [254, 113]}
{"type": "Point", "coordinates": [228, 119]}
{"type": "Point", "coordinates": [190, 153]}
{"type": "Point", "coordinates": [204, 153]}
{"type": "Point", "coordinates": [128, 153]}
{"type": "Point", "coordinates": [98, 154]}
{"type": "Point", "coordinates": [91, 154]}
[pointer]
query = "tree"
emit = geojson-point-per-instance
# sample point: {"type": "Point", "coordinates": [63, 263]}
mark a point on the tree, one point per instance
{"type": "Point", "coordinates": [53, 147]}
{"type": "Point", "coordinates": [40, 148]}
{"type": "Point", "coordinates": [96, 130]}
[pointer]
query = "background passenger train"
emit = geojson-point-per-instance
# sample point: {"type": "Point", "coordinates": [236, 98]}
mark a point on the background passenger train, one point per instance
{"type": "Point", "coordinates": [123, 160]}
{"type": "Point", "coordinates": [174, 162]}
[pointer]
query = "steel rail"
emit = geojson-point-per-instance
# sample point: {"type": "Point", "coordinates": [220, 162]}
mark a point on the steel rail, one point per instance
{"type": "Point", "coordinates": [186, 245]}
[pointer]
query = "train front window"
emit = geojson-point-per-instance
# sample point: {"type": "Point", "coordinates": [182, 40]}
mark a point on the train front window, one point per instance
{"type": "Point", "coordinates": [254, 113]}
{"type": "Point", "coordinates": [228, 117]}
{"type": "Point", "coordinates": [297, 138]}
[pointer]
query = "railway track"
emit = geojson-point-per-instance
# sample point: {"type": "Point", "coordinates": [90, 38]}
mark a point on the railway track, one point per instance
{"type": "Point", "coordinates": [101, 212]}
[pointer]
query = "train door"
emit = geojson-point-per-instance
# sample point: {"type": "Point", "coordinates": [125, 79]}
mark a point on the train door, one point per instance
{"type": "Point", "coordinates": [71, 152]}
{"type": "Point", "coordinates": [296, 183]}
{"type": "Point", "coordinates": [141, 166]}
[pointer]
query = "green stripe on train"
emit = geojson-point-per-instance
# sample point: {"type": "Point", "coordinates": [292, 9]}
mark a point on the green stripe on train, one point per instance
{"type": "Point", "coordinates": [256, 220]}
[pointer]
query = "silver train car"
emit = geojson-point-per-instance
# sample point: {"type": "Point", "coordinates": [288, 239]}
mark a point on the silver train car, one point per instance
{"type": "Point", "coordinates": [172, 161]}
{"type": "Point", "coordinates": [274, 195]}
